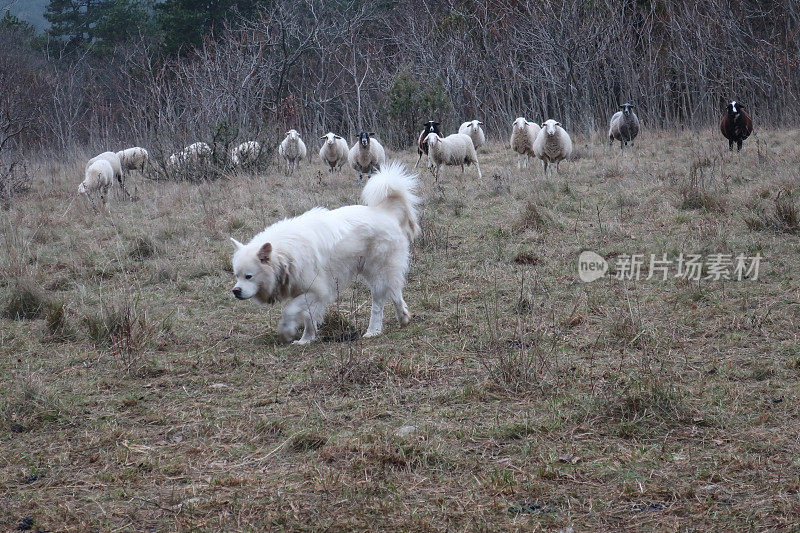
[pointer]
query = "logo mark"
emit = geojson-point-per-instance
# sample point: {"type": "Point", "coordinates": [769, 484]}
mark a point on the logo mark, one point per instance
{"type": "Point", "coordinates": [591, 266]}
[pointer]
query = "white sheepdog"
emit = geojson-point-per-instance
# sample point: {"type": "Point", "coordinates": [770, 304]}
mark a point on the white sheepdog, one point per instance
{"type": "Point", "coordinates": [308, 259]}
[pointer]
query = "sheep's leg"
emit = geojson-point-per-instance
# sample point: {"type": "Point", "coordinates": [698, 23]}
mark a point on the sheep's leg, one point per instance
{"type": "Point", "coordinates": [122, 186]}
{"type": "Point", "coordinates": [480, 175]}
{"type": "Point", "coordinates": [519, 161]}
{"type": "Point", "coordinates": [739, 146]}
{"type": "Point", "coordinates": [544, 168]}
{"type": "Point", "coordinates": [730, 145]}
{"type": "Point", "coordinates": [360, 178]}
{"type": "Point", "coordinates": [611, 141]}
{"type": "Point", "coordinates": [418, 159]}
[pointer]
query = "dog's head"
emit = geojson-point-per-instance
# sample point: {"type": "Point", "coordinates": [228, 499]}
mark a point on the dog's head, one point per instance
{"type": "Point", "coordinates": [258, 273]}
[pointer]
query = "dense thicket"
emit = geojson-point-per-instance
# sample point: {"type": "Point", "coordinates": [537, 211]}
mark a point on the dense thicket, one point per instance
{"type": "Point", "coordinates": [178, 71]}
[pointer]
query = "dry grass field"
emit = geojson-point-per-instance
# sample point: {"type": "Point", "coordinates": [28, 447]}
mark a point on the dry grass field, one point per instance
{"type": "Point", "coordinates": [136, 394]}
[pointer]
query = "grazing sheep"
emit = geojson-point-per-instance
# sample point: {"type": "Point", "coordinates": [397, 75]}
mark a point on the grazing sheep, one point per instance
{"type": "Point", "coordinates": [736, 125]}
{"type": "Point", "coordinates": [116, 164]}
{"type": "Point", "coordinates": [422, 145]}
{"type": "Point", "coordinates": [293, 150]}
{"type": "Point", "coordinates": [245, 153]}
{"type": "Point", "coordinates": [453, 150]}
{"type": "Point", "coordinates": [523, 135]}
{"type": "Point", "coordinates": [475, 132]}
{"type": "Point", "coordinates": [552, 145]}
{"type": "Point", "coordinates": [334, 151]}
{"type": "Point", "coordinates": [366, 155]}
{"type": "Point", "coordinates": [193, 153]}
{"type": "Point", "coordinates": [133, 158]}
{"type": "Point", "coordinates": [624, 126]}
{"type": "Point", "coordinates": [99, 177]}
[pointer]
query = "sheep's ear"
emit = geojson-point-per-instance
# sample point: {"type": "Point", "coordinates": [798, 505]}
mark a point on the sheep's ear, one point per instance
{"type": "Point", "coordinates": [370, 133]}
{"type": "Point", "coordinates": [264, 252]}
{"type": "Point", "coordinates": [558, 124]}
{"type": "Point", "coordinates": [337, 137]}
{"type": "Point", "coordinates": [236, 244]}
{"type": "Point", "coordinates": [324, 137]}
{"type": "Point", "coordinates": [480, 123]}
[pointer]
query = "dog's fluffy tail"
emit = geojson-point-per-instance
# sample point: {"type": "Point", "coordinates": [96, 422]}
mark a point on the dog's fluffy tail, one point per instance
{"type": "Point", "coordinates": [393, 188]}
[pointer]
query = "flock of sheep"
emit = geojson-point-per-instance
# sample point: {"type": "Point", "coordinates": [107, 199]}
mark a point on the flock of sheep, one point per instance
{"type": "Point", "coordinates": [548, 142]}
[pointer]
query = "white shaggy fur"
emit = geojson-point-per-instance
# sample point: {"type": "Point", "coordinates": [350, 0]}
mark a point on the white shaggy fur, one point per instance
{"type": "Point", "coordinates": [454, 150]}
{"type": "Point", "coordinates": [308, 260]}
{"type": "Point", "coordinates": [334, 151]}
{"type": "Point", "coordinates": [133, 158]}
{"type": "Point", "coordinates": [293, 150]}
{"type": "Point", "coordinates": [475, 132]}
{"type": "Point", "coordinates": [99, 177]}
{"type": "Point", "coordinates": [523, 135]}
{"type": "Point", "coordinates": [366, 157]}
{"type": "Point", "coordinates": [552, 145]}
{"type": "Point", "coordinates": [245, 153]}
{"type": "Point", "coordinates": [116, 164]}
{"type": "Point", "coordinates": [192, 154]}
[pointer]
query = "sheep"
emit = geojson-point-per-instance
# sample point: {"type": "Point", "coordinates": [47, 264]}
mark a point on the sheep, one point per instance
{"type": "Point", "coordinates": [193, 153]}
{"type": "Point", "coordinates": [474, 130]}
{"type": "Point", "coordinates": [334, 151]}
{"type": "Point", "coordinates": [99, 177]}
{"type": "Point", "coordinates": [523, 135]}
{"type": "Point", "coordinates": [293, 150]}
{"type": "Point", "coordinates": [116, 164]}
{"type": "Point", "coordinates": [552, 145]}
{"type": "Point", "coordinates": [133, 158]}
{"type": "Point", "coordinates": [422, 146]}
{"type": "Point", "coordinates": [245, 153]}
{"type": "Point", "coordinates": [366, 155]}
{"type": "Point", "coordinates": [453, 150]}
{"type": "Point", "coordinates": [736, 125]}
{"type": "Point", "coordinates": [624, 126]}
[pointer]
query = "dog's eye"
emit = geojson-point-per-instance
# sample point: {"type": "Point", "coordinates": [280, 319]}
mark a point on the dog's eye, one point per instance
{"type": "Point", "coordinates": [248, 276]}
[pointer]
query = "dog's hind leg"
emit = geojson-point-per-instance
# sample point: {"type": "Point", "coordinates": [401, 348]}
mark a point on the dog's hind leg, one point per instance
{"type": "Point", "coordinates": [400, 307]}
{"type": "Point", "coordinates": [375, 327]}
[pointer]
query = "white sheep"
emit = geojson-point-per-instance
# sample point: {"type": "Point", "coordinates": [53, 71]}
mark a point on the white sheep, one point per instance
{"type": "Point", "coordinates": [475, 132]}
{"type": "Point", "coordinates": [115, 163]}
{"type": "Point", "coordinates": [246, 153]}
{"type": "Point", "coordinates": [193, 153]}
{"type": "Point", "coordinates": [293, 150]}
{"type": "Point", "coordinates": [133, 158]}
{"type": "Point", "coordinates": [334, 151]}
{"type": "Point", "coordinates": [453, 150]}
{"type": "Point", "coordinates": [99, 177]}
{"type": "Point", "coordinates": [366, 155]}
{"type": "Point", "coordinates": [523, 135]}
{"type": "Point", "coordinates": [552, 145]}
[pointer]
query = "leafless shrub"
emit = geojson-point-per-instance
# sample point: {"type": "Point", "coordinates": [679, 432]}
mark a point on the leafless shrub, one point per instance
{"type": "Point", "coordinates": [782, 216]}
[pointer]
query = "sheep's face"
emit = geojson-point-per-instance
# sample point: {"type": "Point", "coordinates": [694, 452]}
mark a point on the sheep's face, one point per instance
{"type": "Point", "coordinates": [551, 126]}
{"type": "Point", "coordinates": [330, 138]}
{"type": "Point", "coordinates": [734, 107]}
{"type": "Point", "coordinates": [363, 138]}
{"type": "Point", "coordinates": [292, 134]}
{"type": "Point", "coordinates": [254, 271]}
{"type": "Point", "coordinates": [627, 108]}
{"type": "Point", "coordinates": [432, 139]}
{"type": "Point", "coordinates": [520, 124]}
{"type": "Point", "coordinates": [474, 126]}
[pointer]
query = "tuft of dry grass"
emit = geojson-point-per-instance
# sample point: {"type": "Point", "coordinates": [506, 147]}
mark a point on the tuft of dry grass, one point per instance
{"type": "Point", "coordinates": [24, 301]}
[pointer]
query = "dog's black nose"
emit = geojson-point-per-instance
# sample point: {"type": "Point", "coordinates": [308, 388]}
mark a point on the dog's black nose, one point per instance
{"type": "Point", "coordinates": [237, 291]}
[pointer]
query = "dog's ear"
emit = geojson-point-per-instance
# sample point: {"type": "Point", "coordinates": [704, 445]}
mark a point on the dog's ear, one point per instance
{"type": "Point", "coordinates": [236, 244]}
{"type": "Point", "coordinates": [264, 252]}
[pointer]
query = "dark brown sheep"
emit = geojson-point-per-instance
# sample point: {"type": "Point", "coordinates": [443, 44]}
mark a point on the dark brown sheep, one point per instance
{"type": "Point", "coordinates": [736, 125]}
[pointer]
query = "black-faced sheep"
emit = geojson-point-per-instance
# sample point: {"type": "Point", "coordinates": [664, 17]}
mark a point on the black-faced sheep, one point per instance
{"type": "Point", "coordinates": [366, 155]}
{"type": "Point", "coordinates": [624, 126]}
{"type": "Point", "coordinates": [736, 125]}
{"type": "Point", "coordinates": [422, 145]}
